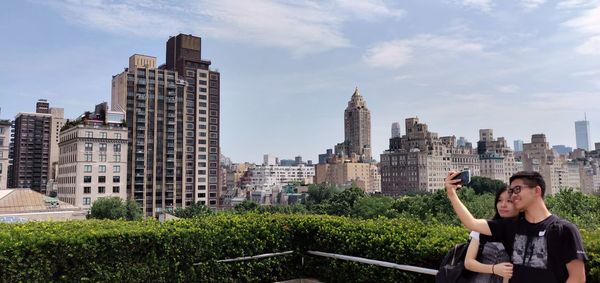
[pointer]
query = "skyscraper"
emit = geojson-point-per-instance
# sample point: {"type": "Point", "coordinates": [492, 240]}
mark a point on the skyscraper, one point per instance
{"type": "Point", "coordinates": [357, 128]}
{"type": "Point", "coordinates": [172, 113]}
{"type": "Point", "coordinates": [582, 134]}
{"type": "Point", "coordinates": [396, 130]}
{"type": "Point", "coordinates": [518, 145]}
{"type": "Point", "coordinates": [36, 146]}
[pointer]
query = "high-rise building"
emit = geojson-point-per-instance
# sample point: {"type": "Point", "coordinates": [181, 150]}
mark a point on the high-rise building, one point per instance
{"type": "Point", "coordinates": [562, 149]}
{"type": "Point", "coordinates": [352, 162]}
{"type": "Point", "coordinates": [497, 160]}
{"type": "Point", "coordinates": [35, 148]}
{"type": "Point", "coordinates": [462, 141]}
{"type": "Point", "coordinates": [93, 159]}
{"type": "Point", "coordinates": [172, 113]}
{"type": "Point", "coordinates": [582, 134]}
{"type": "Point", "coordinates": [518, 145]}
{"type": "Point", "coordinates": [5, 127]}
{"type": "Point", "coordinates": [396, 130]}
{"type": "Point", "coordinates": [357, 129]}
{"type": "Point", "coordinates": [538, 156]}
{"type": "Point", "coordinates": [420, 160]}
{"type": "Point", "coordinates": [323, 158]}
{"type": "Point", "coordinates": [269, 159]}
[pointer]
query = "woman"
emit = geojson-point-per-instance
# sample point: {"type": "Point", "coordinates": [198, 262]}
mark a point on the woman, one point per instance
{"type": "Point", "coordinates": [494, 264]}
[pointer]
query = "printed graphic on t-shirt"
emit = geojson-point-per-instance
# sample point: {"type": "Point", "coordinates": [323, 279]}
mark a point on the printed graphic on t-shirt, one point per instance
{"type": "Point", "coordinates": [532, 252]}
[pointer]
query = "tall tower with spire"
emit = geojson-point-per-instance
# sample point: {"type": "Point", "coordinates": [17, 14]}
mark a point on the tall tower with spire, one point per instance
{"type": "Point", "coordinates": [357, 128]}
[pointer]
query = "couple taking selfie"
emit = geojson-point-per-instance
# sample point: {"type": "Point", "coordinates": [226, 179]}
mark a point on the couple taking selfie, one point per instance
{"type": "Point", "coordinates": [524, 242]}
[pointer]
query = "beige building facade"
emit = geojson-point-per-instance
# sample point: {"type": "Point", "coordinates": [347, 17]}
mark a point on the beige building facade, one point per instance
{"type": "Point", "coordinates": [344, 173]}
{"type": "Point", "coordinates": [92, 163]}
{"type": "Point", "coordinates": [420, 160]}
{"type": "Point", "coordinates": [497, 159]}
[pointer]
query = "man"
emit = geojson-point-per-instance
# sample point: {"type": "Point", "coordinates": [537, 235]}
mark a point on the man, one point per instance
{"type": "Point", "coordinates": [543, 247]}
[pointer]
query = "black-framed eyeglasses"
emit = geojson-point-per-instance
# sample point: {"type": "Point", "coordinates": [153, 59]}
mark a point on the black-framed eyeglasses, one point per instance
{"type": "Point", "coordinates": [515, 189]}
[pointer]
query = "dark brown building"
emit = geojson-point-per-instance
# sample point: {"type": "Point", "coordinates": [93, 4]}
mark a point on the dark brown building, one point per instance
{"type": "Point", "coordinates": [31, 163]}
{"type": "Point", "coordinates": [172, 113]}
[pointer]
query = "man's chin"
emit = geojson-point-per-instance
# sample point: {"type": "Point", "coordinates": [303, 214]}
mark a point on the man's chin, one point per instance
{"type": "Point", "coordinates": [518, 205]}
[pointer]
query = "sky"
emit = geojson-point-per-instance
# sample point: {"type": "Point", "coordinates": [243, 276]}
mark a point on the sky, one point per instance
{"type": "Point", "coordinates": [288, 68]}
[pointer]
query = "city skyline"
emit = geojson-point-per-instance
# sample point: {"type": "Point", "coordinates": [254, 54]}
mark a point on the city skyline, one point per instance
{"type": "Point", "coordinates": [460, 65]}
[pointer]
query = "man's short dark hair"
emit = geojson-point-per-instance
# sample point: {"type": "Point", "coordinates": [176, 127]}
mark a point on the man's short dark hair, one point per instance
{"type": "Point", "coordinates": [531, 179]}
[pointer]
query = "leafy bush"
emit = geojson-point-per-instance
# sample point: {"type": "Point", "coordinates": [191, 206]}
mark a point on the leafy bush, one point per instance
{"type": "Point", "coordinates": [187, 250]}
{"type": "Point", "coordinates": [113, 208]}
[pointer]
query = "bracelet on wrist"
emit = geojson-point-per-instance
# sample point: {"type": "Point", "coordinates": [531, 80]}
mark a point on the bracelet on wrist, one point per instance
{"type": "Point", "coordinates": [493, 269]}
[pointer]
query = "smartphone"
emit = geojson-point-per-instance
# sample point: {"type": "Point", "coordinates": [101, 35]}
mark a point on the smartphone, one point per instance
{"type": "Point", "coordinates": [464, 176]}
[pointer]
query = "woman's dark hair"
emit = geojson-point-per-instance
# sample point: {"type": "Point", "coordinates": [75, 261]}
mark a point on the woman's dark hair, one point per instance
{"type": "Point", "coordinates": [499, 191]}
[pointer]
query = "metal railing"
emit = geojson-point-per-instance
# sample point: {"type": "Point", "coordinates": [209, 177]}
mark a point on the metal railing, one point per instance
{"type": "Point", "coordinates": [385, 264]}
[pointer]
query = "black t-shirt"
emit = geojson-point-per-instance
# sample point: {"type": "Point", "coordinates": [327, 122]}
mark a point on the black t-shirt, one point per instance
{"type": "Point", "coordinates": [539, 251]}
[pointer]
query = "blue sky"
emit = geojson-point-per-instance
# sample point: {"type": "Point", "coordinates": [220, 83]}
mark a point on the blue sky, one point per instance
{"type": "Point", "coordinates": [289, 68]}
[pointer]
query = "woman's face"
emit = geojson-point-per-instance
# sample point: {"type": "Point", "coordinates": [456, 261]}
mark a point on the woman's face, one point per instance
{"type": "Point", "coordinates": [505, 207]}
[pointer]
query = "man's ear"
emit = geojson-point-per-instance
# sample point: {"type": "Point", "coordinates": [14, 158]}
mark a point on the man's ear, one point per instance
{"type": "Point", "coordinates": [538, 191]}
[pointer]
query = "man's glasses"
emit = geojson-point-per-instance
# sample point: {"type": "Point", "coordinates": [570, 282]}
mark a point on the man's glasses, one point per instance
{"type": "Point", "coordinates": [515, 189]}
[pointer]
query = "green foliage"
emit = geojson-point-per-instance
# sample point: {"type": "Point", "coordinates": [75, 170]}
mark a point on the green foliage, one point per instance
{"type": "Point", "coordinates": [187, 250]}
{"type": "Point", "coordinates": [246, 206]}
{"type": "Point", "coordinates": [342, 203]}
{"type": "Point", "coordinates": [483, 185]}
{"type": "Point", "coordinates": [320, 193]}
{"type": "Point", "coordinates": [373, 207]}
{"type": "Point", "coordinates": [108, 208]}
{"type": "Point", "coordinates": [193, 210]}
{"type": "Point", "coordinates": [582, 209]}
{"type": "Point", "coordinates": [133, 211]}
{"type": "Point", "coordinates": [113, 208]}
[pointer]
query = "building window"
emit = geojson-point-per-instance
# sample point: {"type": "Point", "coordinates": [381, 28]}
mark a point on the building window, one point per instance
{"type": "Point", "coordinates": [117, 157]}
{"type": "Point", "coordinates": [89, 134]}
{"type": "Point", "coordinates": [87, 179]}
{"type": "Point", "coordinates": [87, 201]}
{"type": "Point", "coordinates": [101, 179]}
{"type": "Point", "coordinates": [117, 168]}
{"type": "Point", "coordinates": [116, 179]}
{"type": "Point", "coordinates": [103, 157]}
{"type": "Point", "coordinates": [87, 190]}
{"type": "Point", "coordinates": [87, 157]}
{"type": "Point", "coordinates": [89, 146]}
{"type": "Point", "coordinates": [116, 190]}
{"type": "Point", "coordinates": [102, 147]}
{"type": "Point", "coordinates": [87, 168]}
{"type": "Point", "coordinates": [102, 169]}
{"type": "Point", "coordinates": [101, 190]}
{"type": "Point", "coordinates": [103, 135]}
{"type": "Point", "coordinates": [116, 147]}
{"type": "Point", "coordinates": [118, 136]}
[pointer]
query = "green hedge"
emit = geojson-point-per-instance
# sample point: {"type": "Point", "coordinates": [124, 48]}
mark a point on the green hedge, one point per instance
{"type": "Point", "coordinates": [102, 250]}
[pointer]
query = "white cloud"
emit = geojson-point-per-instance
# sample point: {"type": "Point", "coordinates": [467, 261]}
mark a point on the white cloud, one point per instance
{"type": "Point", "coordinates": [574, 4]}
{"type": "Point", "coordinates": [483, 5]}
{"type": "Point", "coordinates": [508, 88]}
{"type": "Point", "coordinates": [301, 27]}
{"type": "Point", "coordinates": [396, 53]}
{"type": "Point", "coordinates": [564, 101]}
{"type": "Point", "coordinates": [590, 47]}
{"type": "Point", "coordinates": [588, 24]}
{"type": "Point", "coordinates": [370, 9]}
{"type": "Point", "coordinates": [390, 54]}
{"type": "Point", "coordinates": [529, 5]}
